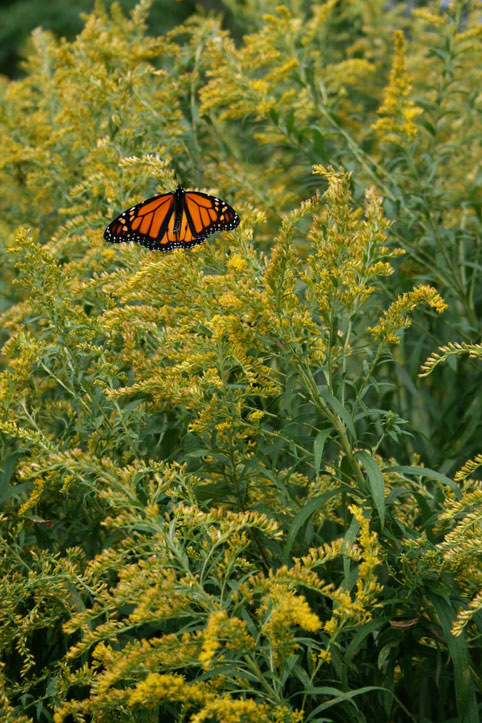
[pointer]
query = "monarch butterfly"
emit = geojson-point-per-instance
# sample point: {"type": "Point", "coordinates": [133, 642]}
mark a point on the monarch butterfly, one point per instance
{"type": "Point", "coordinates": [179, 219]}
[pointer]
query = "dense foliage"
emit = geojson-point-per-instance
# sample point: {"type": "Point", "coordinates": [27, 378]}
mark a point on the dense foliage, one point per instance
{"type": "Point", "coordinates": [241, 483]}
{"type": "Point", "coordinates": [19, 17]}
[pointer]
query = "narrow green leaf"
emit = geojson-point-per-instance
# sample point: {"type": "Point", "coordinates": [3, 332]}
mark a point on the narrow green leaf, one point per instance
{"type": "Point", "coordinates": [290, 121]}
{"type": "Point", "coordinates": [426, 472]}
{"type": "Point", "coordinates": [341, 411]}
{"type": "Point", "coordinates": [340, 696]}
{"type": "Point", "coordinates": [376, 483]}
{"type": "Point", "coordinates": [355, 644]}
{"type": "Point", "coordinates": [349, 539]}
{"type": "Point", "coordinates": [318, 447]}
{"type": "Point", "coordinates": [464, 684]}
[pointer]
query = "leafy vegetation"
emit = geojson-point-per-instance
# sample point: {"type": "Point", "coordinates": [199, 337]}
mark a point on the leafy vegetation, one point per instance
{"type": "Point", "coordinates": [242, 483]}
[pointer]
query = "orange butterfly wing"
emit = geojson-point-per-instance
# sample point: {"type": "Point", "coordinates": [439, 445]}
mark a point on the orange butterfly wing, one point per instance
{"type": "Point", "coordinates": [173, 220]}
{"type": "Point", "coordinates": [146, 222]}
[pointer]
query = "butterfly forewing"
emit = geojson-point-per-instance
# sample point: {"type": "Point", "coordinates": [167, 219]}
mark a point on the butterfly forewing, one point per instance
{"type": "Point", "coordinates": [173, 220]}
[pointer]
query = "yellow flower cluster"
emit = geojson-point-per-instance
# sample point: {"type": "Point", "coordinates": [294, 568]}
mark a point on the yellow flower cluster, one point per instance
{"type": "Point", "coordinates": [156, 687]}
{"type": "Point", "coordinates": [474, 351]}
{"type": "Point", "coordinates": [469, 468]}
{"type": "Point", "coordinates": [350, 252]}
{"type": "Point", "coordinates": [257, 78]}
{"type": "Point", "coordinates": [459, 550]}
{"type": "Point", "coordinates": [222, 628]}
{"type": "Point", "coordinates": [288, 611]}
{"type": "Point", "coordinates": [465, 615]}
{"type": "Point", "coordinates": [227, 710]}
{"type": "Point", "coordinates": [398, 111]}
{"type": "Point", "coordinates": [247, 359]}
{"type": "Point", "coordinates": [397, 316]}
{"type": "Point", "coordinates": [315, 26]}
{"type": "Point", "coordinates": [357, 607]}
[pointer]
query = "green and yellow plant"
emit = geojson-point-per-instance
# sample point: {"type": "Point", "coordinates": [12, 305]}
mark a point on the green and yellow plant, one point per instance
{"type": "Point", "coordinates": [226, 492]}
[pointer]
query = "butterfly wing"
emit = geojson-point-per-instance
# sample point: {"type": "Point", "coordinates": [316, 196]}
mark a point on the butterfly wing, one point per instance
{"type": "Point", "coordinates": [172, 220]}
{"type": "Point", "coordinates": [146, 222]}
{"type": "Point", "coordinates": [204, 215]}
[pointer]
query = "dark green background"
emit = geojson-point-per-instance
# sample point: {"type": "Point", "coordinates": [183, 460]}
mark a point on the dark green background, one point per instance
{"type": "Point", "coordinates": [19, 17]}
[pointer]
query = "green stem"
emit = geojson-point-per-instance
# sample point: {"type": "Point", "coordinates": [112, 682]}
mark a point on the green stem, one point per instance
{"type": "Point", "coordinates": [254, 667]}
{"type": "Point", "coordinates": [312, 388]}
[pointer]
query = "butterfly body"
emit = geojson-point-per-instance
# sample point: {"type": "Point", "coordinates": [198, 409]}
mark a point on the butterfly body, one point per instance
{"type": "Point", "coordinates": [179, 219]}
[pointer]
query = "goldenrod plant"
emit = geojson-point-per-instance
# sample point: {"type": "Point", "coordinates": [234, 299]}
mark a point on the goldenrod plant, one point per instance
{"type": "Point", "coordinates": [232, 488]}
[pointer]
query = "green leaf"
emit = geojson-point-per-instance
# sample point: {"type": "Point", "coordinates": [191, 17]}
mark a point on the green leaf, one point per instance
{"type": "Point", "coordinates": [290, 121]}
{"type": "Point", "coordinates": [376, 483]}
{"type": "Point", "coordinates": [354, 646]}
{"type": "Point", "coordinates": [340, 696]}
{"type": "Point", "coordinates": [349, 537]}
{"type": "Point", "coordinates": [459, 655]}
{"type": "Point", "coordinates": [426, 472]}
{"type": "Point", "coordinates": [318, 446]}
{"type": "Point", "coordinates": [341, 411]}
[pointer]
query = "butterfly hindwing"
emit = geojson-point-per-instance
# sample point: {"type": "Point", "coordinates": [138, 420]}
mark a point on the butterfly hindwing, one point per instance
{"type": "Point", "coordinates": [172, 220]}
